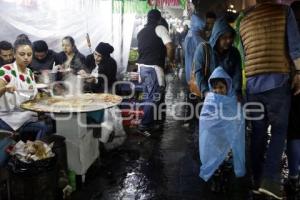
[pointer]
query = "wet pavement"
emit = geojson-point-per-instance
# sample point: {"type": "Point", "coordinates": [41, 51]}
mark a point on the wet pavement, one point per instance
{"type": "Point", "coordinates": [164, 166]}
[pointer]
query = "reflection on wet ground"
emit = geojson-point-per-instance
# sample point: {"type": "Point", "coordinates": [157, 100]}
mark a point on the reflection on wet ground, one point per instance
{"type": "Point", "coordinates": [164, 166]}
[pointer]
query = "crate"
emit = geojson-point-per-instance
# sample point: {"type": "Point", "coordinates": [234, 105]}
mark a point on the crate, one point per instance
{"type": "Point", "coordinates": [131, 117]}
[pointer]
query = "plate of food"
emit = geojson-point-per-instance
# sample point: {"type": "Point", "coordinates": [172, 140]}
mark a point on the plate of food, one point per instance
{"type": "Point", "coordinates": [73, 103]}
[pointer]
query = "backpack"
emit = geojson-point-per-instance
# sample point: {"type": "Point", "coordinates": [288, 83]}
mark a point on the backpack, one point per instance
{"type": "Point", "coordinates": [194, 89]}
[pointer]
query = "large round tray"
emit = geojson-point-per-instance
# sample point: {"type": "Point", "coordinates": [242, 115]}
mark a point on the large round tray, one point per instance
{"type": "Point", "coordinates": [87, 102]}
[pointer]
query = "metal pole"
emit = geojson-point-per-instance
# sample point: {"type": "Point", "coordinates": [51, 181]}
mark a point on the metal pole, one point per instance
{"type": "Point", "coordinates": [122, 31]}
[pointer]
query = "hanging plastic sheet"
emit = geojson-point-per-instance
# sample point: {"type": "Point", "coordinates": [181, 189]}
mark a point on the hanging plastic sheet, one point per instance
{"type": "Point", "coordinates": [222, 128]}
{"type": "Point", "coordinates": [52, 20]}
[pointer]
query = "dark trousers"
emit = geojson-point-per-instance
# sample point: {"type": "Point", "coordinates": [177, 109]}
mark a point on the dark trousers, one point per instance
{"type": "Point", "coordinates": [293, 152]}
{"type": "Point", "coordinates": [29, 130]}
{"type": "Point", "coordinates": [293, 142]}
{"type": "Point", "coordinates": [276, 105]}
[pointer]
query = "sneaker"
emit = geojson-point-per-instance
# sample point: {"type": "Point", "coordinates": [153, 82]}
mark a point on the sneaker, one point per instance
{"type": "Point", "coordinates": [144, 132]}
{"type": "Point", "coordinates": [186, 125]}
{"type": "Point", "coordinates": [271, 189]}
{"type": "Point", "coordinates": [256, 191]}
{"type": "Point", "coordinates": [255, 186]}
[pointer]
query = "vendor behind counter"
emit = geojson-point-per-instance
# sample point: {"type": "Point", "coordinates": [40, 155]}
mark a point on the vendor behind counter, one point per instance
{"type": "Point", "coordinates": [17, 84]}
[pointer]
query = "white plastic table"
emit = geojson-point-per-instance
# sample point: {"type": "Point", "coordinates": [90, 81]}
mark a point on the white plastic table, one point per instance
{"type": "Point", "coordinates": [82, 147]}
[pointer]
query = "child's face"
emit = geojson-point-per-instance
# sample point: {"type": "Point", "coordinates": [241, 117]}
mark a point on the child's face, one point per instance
{"type": "Point", "coordinates": [220, 88]}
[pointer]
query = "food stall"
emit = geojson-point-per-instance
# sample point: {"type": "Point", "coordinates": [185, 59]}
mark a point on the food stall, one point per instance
{"type": "Point", "coordinates": [70, 113]}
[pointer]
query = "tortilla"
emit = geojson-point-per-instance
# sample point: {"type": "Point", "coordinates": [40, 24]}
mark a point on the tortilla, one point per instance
{"type": "Point", "coordinates": [64, 104]}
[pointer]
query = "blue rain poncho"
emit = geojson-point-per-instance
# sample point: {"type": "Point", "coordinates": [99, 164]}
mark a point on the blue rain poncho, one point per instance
{"type": "Point", "coordinates": [191, 41]}
{"type": "Point", "coordinates": [222, 128]}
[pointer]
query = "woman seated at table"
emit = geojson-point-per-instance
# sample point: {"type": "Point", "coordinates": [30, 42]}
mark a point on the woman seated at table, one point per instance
{"type": "Point", "coordinates": [101, 63]}
{"type": "Point", "coordinates": [70, 63]}
{"type": "Point", "coordinates": [70, 59]}
{"type": "Point", "coordinates": [17, 85]}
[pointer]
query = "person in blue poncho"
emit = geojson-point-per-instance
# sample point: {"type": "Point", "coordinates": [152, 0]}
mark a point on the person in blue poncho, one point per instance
{"type": "Point", "coordinates": [191, 41]}
{"type": "Point", "coordinates": [222, 127]}
{"type": "Point", "coordinates": [200, 32]}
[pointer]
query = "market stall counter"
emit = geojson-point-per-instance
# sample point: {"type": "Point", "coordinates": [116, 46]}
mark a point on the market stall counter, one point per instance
{"type": "Point", "coordinates": [70, 113]}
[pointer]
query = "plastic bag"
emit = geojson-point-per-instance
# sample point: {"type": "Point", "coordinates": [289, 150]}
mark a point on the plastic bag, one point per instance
{"type": "Point", "coordinates": [112, 124]}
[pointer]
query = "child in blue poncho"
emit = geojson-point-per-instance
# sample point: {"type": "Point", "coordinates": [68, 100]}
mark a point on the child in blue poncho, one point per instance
{"type": "Point", "coordinates": [222, 127]}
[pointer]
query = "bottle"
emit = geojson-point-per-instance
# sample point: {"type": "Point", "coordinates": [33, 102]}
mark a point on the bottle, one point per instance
{"type": "Point", "coordinates": [72, 179]}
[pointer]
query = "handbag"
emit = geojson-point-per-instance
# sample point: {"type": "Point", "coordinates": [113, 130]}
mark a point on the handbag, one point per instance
{"type": "Point", "coordinates": [193, 87]}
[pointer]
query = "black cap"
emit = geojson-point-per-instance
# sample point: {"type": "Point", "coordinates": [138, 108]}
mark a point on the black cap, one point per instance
{"type": "Point", "coordinates": [104, 49]}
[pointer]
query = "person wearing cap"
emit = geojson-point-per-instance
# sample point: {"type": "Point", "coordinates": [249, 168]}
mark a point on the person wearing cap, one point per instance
{"type": "Point", "coordinates": [154, 44]}
{"type": "Point", "coordinates": [43, 58]}
{"type": "Point", "coordinates": [103, 69]}
{"type": "Point", "coordinates": [101, 63]}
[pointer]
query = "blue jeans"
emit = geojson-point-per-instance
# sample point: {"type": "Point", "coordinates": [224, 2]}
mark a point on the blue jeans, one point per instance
{"type": "Point", "coordinates": [293, 152]}
{"type": "Point", "coordinates": [276, 103]}
{"type": "Point", "coordinates": [152, 94]}
{"type": "Point", "coordinates": [29, 130]}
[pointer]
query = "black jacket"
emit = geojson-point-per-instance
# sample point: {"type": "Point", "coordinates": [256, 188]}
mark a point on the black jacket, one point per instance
{"type": "Point", "coordinates": [46, 63]}
{"type": "Point", "coordinates": [107, 67]}
{"type": "Point", "coordinates": [151, 48]}
{"type": "Point", "coordinates": [76, 64]}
